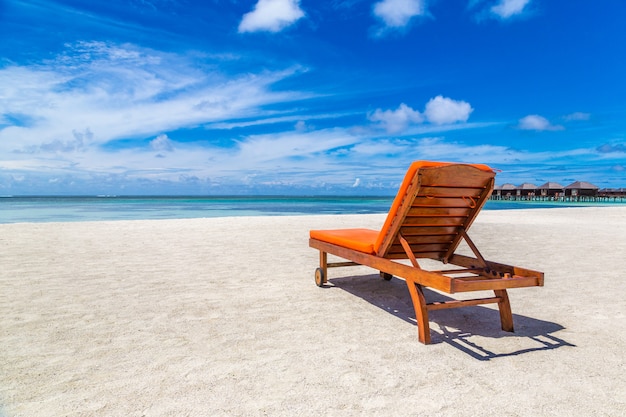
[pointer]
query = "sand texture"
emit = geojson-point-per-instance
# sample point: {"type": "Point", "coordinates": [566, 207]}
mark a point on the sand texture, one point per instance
{"type": "Point", "coordinates": [221, 317]}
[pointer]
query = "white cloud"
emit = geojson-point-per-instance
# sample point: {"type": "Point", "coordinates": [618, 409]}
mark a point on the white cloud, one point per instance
{"type": "Point", "coordinates": [162, 143]}
{"type": "Point", "coordinates": [395, 121]}
{"type": "Point", "coordinates": [302, 126]}
{"type": "Point", "coordinates": [357, 182]}
{"type": "Point", "coordinates": [442, 110]}
{"type": "Point", "coordinates": [439, 111]}
{"type": "Point", "coordinates": [398, 13]}
{"type": "Point", "coordinates": [271, 16]}
{"type": "Point", "coordinates": [538, 123]}
{"type": "Point", "coordinates": [506, 9]}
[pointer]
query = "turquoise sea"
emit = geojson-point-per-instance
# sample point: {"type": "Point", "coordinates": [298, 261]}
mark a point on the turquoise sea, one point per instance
{"type": "Point", "coordinates": [72, 209]}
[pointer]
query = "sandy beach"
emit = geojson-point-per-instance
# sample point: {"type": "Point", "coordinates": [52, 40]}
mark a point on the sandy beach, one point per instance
{"type": "Point", "coordinates": [221, 317]}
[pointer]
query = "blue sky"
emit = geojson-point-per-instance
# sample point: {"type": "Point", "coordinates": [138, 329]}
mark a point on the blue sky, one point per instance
{"type": "Point", "coordinates": [306, 97]}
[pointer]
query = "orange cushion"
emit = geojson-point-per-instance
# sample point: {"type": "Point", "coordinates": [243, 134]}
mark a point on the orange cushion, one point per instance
{"type": "Point", "coordinates": [361, 240]}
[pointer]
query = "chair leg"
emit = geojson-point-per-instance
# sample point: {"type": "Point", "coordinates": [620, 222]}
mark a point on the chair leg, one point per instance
{"type": "Point", "coordinates": [324, 266]}
{"type": "Point", "coordinates": [506, 316]}
{"type": "Point", "coordinates": [421, 311]}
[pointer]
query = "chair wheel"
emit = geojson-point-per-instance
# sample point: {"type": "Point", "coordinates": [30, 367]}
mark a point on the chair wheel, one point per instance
{"type": "Point", "coordinates": [319, 277]}
{"type": "Point", "coordinates": [385, 276]}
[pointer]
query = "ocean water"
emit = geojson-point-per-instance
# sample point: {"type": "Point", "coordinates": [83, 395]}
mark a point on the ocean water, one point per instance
{"type": "Point", "coordinates": [73, 209]}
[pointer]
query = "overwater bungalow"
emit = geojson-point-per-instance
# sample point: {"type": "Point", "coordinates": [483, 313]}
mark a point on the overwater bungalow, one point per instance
{"type": "Point", "coordinates": [526, 191]}
{"type": "Point", "coordinates": [612, 194]}
{"type": "Point", "coordinates": [504, 192]}
{"type": "Point", "coordinates": [551, 191]}
{"type": "Point", "coordinates": [581, 191]}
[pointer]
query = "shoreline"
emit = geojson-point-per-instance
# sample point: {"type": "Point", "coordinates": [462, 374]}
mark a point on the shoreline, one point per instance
{"type": "Point", "coordinates": [81, 209]}
{"type": "Point", "coordinates": [221, 316]}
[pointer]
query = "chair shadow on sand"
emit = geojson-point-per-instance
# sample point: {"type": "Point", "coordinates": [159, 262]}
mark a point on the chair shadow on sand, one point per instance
{"type": "Point", "coordinates": [469, 329]}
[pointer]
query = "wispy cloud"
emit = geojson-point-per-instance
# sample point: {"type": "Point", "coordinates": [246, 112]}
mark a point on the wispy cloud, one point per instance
{"type": "Point", "coordinates": [503, 10]}
{"type": "Point", "coordinates": [610, 148]}
{"type": "Point", "coordinates": [506, 9]}
{"type": "Point", "coordinates": [271, 16]}
{"type": "Point", "coordinates": [396, 14]}
{"type": "Point", "coordinates": [271, 118]}
{"type": "Point", "coordinates": [577, 116]}
{"type": "Point", "coordinates": [122, 92]}
{"type": "Point", "coordinates": [538, 123]}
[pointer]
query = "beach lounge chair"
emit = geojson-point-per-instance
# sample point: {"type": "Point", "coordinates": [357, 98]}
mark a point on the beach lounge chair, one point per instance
{"type": "Point", "coordinates": [435, 205]}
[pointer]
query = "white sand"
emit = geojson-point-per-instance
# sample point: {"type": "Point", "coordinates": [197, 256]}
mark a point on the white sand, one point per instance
{"type": "Point", "coordinates": [213, 317]}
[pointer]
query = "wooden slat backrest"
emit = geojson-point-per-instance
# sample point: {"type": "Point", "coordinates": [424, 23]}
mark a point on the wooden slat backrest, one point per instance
{"type": "Point", "coordinates": [439, 203]}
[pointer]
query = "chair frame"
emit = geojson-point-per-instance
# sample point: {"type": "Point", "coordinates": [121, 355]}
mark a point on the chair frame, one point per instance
{"type": "Point", "coordinates": [445, 197]}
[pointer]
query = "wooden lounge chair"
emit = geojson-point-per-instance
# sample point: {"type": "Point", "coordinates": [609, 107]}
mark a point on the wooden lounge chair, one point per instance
{"type": "Point", "coordinates": [435, 205]}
